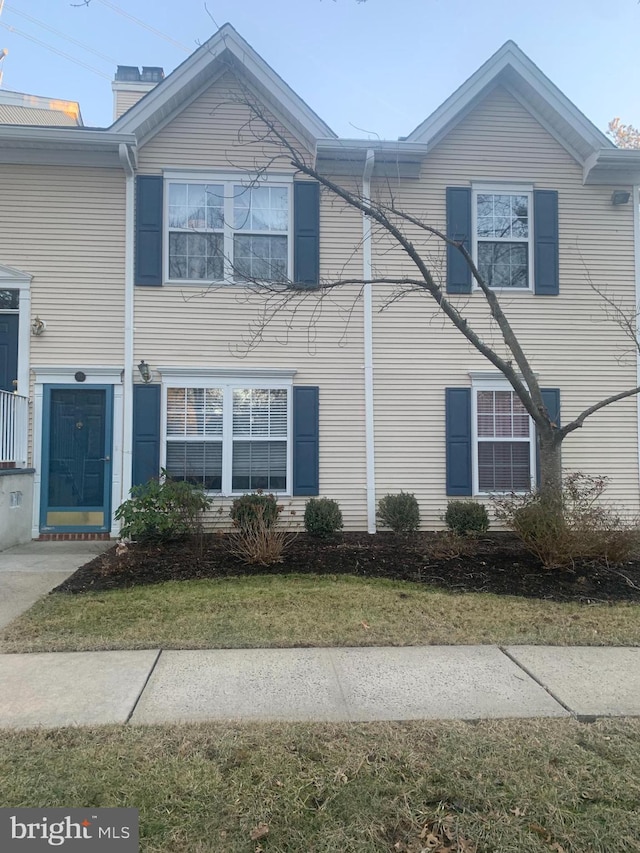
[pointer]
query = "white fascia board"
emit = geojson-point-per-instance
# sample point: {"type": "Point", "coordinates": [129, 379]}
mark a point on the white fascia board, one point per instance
{"type": "Point", "coordinates": [52, 136]}
{"type": "Point", "coordinates": [613, 166]}
{"type": "Point", "coordinates": [225, 39]}
{"type": "Point", "coordinates": [509, 55]}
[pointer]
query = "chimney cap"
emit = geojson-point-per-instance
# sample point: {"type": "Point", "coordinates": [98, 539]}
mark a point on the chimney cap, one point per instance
{"type": "Point", "coordinates": [152, 73]}
{"type": "Point", "coordinates": [130, 73]}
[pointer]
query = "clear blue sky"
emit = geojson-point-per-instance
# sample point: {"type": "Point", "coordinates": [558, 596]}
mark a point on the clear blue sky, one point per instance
{"type": "Point", "coordinates": [380, 66]}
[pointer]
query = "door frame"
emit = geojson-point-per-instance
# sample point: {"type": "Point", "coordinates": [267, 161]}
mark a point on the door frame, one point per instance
{"type": "Point", "coordinates": [108, 450]}
{"type": "Point", "coordinates": [65, 377]}
{"type": "Point", "coordinates": [13, 279]}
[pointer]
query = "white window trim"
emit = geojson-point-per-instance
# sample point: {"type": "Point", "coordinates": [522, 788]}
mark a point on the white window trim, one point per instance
{"type": "Point", "coordinates": [227, 179]}
{"type": "Point", "coordinates": [497, 188]}
{"type": "Point", "coordinates": [482, 384]}
{"type": "Point", "coordinates": [227, 381]}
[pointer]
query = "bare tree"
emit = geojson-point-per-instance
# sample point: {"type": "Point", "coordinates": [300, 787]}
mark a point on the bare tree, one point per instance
{"type": "Point", "coordinates": [414, 236]}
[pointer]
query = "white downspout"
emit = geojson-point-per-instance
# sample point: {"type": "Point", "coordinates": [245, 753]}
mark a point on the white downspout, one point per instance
{"type": "Point", "coordinates": [635, 199]}
{"type": "Point", "coordinates": [368, 347]}
{"type": "Point", "coordinates": [127, 379]}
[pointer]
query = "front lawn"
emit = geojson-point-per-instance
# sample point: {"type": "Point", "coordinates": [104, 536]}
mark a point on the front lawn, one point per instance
{"type": "Point", "coordinates": [536, 786]}
{"type": "Point", "coordinates": [307, 610]}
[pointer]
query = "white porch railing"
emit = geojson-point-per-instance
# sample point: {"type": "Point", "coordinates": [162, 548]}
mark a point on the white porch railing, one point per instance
{"type": "Point", "coordinates": [14, 424]}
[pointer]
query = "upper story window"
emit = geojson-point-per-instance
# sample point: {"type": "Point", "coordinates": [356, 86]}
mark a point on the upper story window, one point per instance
{"type": "Point", "coordinates": [226, 231]}
{"type": "Point", "coordinates": [503, 245]}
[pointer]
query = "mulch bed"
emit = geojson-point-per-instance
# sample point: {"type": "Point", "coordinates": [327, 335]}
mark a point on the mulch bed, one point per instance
{"type": "Point", "coordinates": [498, 565]}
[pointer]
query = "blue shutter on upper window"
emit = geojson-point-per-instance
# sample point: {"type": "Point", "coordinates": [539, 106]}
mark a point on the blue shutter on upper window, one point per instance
{"type": "Point", "coordinates": [306, 233]}
{"type": "Point", "coordinates": [545, 236]}
{"type": "Point", "coordinates": [148, 244]}
{"type": "Point", "coordinates": [458, 441]}
{"type": "Point", "coordinates": [306, 438]}
{"type": "Point", "coordinates": [551, 399]}
{"type": "Point", "coordinates": [145, 463]}
{"type": "Point", "coordinates": [458, 228]}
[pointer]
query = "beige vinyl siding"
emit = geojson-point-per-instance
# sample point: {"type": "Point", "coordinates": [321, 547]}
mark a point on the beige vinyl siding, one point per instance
{"type": "Point", "coordinates": [216, 131]}
{"type": "Point", "coordinates": [568, 338]}
{"type": "Point", "coordinates": [321, 339]}
{"type": "Point", "coordinates": [66, 227]}
{"type": "Point", "coordinates": [123, 101]}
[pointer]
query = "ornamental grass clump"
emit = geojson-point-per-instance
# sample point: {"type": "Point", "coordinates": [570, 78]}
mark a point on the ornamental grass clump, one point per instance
{"type": "Point", "coordinates": [257, 539]}
{"type": "Point", "coordinates": [322, 517]}
{"type": "Point", "coordinates": [399, 512]}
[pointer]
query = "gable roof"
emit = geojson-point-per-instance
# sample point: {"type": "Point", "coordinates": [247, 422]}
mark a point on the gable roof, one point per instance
{"type": "Point", "coordinates": [225, 48]}
{"type": "Point", "coordinates": [511, 68]}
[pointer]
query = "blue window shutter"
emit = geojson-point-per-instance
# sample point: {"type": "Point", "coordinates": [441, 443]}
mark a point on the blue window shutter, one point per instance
{"type": "Point", "coordinates": [458, 228]}
{"type": "Point", "coordinates": [551, 399]}
{"type": "Point", "coordinates": [306, 434]}
{"type": "Point", "coordinates": [306, 232]}
{"type": "Point", "coordinates": [148, 245]}
{"type": "Point", "coordinates": [545, 236]}
{"type": "Point", "coordinates": [458, 440]}
{"type": "Point", "coordinates": [146, 433]}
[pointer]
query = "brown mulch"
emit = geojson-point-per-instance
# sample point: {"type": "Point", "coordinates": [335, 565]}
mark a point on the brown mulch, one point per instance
{"type": "Point", "coordinates": [497, 564]}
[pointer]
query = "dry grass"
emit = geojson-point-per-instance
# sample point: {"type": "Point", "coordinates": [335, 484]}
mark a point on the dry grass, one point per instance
{"type": "Point", "coordinates": [307, 610]}
{"type": "Point", "coordinates": [537, 786]}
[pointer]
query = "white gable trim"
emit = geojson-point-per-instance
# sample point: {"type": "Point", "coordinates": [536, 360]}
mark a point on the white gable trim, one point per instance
{"type": "Point", "coordinates": [226, 39]}
{"type": "Point", "coordinates": [508, 56]}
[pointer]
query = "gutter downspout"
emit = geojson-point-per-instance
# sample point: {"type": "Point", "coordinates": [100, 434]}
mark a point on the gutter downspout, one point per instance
{"type": "Point", "coordinates": [368, 346]}
{"type": "Point", "coordinates": [127, 379]}
{"type": "Point", "coordinates": [635, 200]}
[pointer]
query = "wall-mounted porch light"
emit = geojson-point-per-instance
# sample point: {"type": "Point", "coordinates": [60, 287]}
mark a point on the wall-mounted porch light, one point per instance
{"type": "Point", "coordinates": [145, 371]}
{"type": "Point", "coordinates": [620, 197]}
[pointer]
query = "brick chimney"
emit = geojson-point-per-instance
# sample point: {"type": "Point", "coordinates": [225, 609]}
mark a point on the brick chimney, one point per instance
{"type": "Point", "coordinates": [130, 84]}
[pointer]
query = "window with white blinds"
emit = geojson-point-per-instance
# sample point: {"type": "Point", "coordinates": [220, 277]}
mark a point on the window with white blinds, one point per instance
{"type": "Point", "coordinates": [228, 438]}
{"type": "Point", "coordinates": [504, 442]}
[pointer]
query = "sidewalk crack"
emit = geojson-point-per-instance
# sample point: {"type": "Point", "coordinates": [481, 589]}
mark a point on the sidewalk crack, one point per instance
{"type": "Point", "coordinates": [144, 687]}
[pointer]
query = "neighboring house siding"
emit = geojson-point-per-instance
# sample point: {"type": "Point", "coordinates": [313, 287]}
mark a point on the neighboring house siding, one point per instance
{"type": "Point", "coordinates": [66, 227]}
{"type": "Point", "coordinates": [195, 326]}
{"type": "Point", "coordinates": [568, 339]}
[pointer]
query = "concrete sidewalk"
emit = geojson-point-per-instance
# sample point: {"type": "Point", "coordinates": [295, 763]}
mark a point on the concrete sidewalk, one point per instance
{"type": "Point", "coordinates": [341, 684]}
{"type": "Point", "coordinates": [27, 572]}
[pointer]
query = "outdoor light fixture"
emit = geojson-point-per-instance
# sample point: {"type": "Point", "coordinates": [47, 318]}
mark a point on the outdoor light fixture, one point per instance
{"type": "Point", "coordinates": [145, 371]}
{"type": "Point", "coordinates": [37, 327]}
{"type": "Point", "coordinates": [620, 197]}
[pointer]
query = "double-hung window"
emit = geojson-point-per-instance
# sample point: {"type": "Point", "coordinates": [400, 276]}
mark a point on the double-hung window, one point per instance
{"type": "Point", "coordinates": [504, 442]}
{"type": "Point", "coordinates": [228, 230]}
{"type": "Point", "coordinates": [229, 437]}
{"type": "Point", "coordinates": [502, 229]}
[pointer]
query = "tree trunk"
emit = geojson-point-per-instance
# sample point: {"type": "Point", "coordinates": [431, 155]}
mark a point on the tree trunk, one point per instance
{"type": "Point", "coordinates": [550, 485]}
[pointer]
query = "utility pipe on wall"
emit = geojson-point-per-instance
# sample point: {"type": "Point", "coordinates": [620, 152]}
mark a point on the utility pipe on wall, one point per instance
{"type": "Point", "coordinates": [368, 346]}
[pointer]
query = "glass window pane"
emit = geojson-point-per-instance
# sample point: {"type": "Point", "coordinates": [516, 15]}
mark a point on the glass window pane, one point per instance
{"type": "Point", "coordinates": [199, 463]}
{"type": "Point", "coordinates": [177, 194]}
{"type": "Point", "coordinates": [196, 257]}
{"type": "Point", "coordinates": [260, 412]}
{"type": "Point", "coordinates": [504, 264]}
{"type": "Point", "coordinates": [260, 258]}
{"type": "Point", "coordinates": [503, 466]}
{"type": "Point", "coordinates": [259, 465]}
{"type": "Point", "coordinates": [9, 299]}
{"type": "Point", "coordinates": [194, 411]}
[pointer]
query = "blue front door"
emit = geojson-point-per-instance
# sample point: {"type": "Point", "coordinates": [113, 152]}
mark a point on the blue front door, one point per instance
{"type": "Point", "coordinates": [76, 459]}
{"type": "Point", "coordinates": [8, 352]}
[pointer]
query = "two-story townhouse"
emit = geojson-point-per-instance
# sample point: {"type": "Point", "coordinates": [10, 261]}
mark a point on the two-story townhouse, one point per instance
{"type": "Point", "coordinates": [126, 253]}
